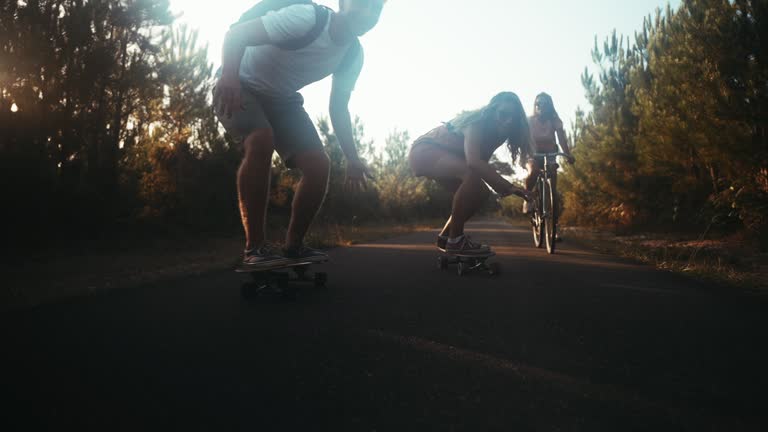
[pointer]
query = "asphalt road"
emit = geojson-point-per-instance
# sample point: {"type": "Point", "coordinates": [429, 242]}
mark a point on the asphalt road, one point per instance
{"type": "Point", "coordinates": [575, 341]}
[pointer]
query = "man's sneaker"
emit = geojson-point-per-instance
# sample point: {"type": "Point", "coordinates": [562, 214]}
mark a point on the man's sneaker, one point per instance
{"type": "Point", "coordinates": [466, 247]}
{"type": "Point", "coordinates": [262, 257]}
{"type": "Point", "coordinates": [442, 241]}
{"type": "Point", "coordinates": [303, 253]}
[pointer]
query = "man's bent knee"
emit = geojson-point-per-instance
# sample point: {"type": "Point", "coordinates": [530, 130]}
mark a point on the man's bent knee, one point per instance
{"type": "Point", "coordinates": [259, 144]}
{"type": "Point", "coordinates": [315, 163]}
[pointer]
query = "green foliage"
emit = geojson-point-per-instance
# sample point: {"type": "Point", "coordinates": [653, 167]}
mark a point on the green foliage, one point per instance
{"type": "Point", "coordinates": [402, 196]}
{"type": "Point", "coordinates": [73, 71]}
{"type": "Point", "coordinates": [511, 207]}
{"type": "Point", "coordinates": [111, 120]}
{"type": "Point", "coordinates": [178, 131]}
{"type": "Point", "coordinates": [393, 193]}
{"type": "Point", "coordinates": [112, 123]}
{"type": "Point", "coordinates": [677, 134]}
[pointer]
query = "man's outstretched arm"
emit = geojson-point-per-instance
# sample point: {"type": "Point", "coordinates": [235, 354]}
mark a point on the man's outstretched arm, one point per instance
{"type": "Point", "coordinates": [342, 127]}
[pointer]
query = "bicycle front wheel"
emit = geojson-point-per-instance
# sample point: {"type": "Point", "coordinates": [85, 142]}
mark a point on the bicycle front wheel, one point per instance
{"type": "Point", "coordinates": [537, 226]}
{"type": "Point", "coordinates": [550, 216]}
{"type": "Point", "coordinates": [537, 222]}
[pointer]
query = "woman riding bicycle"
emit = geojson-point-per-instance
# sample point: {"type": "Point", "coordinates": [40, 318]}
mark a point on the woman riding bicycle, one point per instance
{"type": "Point", "coordinates": [456, 155]}
{"type": "Point", "coordinates": [546, 132]}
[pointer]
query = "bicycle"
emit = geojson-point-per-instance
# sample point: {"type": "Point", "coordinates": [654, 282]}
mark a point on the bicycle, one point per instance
{"type": "Point", "coordinates": [544, 213]}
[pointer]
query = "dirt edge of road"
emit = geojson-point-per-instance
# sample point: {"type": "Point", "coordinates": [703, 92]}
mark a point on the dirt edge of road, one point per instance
{"type": "Point", "coordinates": [727, 262]}
{"type": "Point", "coordinates": [77, 272]}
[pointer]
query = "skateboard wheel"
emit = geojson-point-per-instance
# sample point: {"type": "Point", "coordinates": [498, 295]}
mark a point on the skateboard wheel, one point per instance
{"type": "Point", "coordinates": [442, 263]}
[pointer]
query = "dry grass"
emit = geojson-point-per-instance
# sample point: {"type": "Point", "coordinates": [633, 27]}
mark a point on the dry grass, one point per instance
{"type": "Point", "coordinates": [726, 261]}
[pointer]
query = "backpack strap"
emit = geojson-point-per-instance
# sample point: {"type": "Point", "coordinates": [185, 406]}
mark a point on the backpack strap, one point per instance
{"type": "Point", "coordinates": [262, 7]}
{"type": "Point", "coordinates": [322, 14]}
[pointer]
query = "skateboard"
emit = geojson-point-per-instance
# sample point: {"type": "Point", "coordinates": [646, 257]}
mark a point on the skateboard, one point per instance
{"type": "Point", "coordinates": [468, 263]}
{"type": "Point", "coordinates": [283, 280]}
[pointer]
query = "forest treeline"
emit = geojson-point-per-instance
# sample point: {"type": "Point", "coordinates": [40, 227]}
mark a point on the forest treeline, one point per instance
{"type": "Point", "coordinates": [677, 135]}
{"type": "Point", "coordinates": [105, 119]}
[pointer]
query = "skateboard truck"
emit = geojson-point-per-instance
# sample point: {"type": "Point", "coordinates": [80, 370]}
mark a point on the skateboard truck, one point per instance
{"type": "Point", "coordinates": [468, 263]}
{"type": "Point", "coordinates": [281, 280]}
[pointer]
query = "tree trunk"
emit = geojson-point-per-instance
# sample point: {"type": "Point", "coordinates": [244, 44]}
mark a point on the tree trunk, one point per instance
{"type": "Point", "coordinates": [714, 177]}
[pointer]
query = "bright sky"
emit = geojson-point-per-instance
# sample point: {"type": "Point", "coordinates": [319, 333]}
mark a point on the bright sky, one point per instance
{"type": "Point", "coordinates": [427, 60]}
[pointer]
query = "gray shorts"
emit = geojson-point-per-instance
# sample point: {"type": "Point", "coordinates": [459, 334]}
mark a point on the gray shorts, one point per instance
{"type": "Point", "coordinates": [291, 126]}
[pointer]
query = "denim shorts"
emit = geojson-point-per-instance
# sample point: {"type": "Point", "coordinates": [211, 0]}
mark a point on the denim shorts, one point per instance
{"type": "Point", "coordinates": [293, 130]}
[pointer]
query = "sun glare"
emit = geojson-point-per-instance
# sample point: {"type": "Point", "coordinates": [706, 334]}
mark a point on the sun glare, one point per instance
{"type": "Point", "coordinates": [404, 50]}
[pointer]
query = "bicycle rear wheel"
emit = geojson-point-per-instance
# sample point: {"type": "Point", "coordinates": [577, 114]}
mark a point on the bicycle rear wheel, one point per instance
{"type": "Point", "coordinates": [550, 216]}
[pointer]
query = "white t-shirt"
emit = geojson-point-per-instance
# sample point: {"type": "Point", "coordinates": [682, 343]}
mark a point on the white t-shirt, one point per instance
{"type": "Point", "coordinates": [272, 71]}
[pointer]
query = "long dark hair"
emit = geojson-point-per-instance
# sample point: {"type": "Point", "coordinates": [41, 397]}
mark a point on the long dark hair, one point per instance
{"type": "Point", "coordinates": [549, 113]}
{"type": "Point", "coordinates": [518, 142]}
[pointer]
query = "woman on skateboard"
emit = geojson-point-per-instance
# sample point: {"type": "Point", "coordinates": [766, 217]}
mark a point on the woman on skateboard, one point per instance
{"type": "Point", "coordinates": [456, 155]}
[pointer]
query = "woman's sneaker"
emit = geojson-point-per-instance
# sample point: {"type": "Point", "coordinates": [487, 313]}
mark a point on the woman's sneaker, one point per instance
{"type": "Point", "coordinates": [262, 257]}
{"type": "Point", "coordinates": [303, 253]}
{"type": "Point", "coordinates": [465, 246]}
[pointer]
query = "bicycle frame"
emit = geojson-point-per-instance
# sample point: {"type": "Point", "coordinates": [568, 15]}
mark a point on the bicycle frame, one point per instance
{"type": "Point", "coordinates": [549, 170]}
{"type": "Point", "coordinates": [541, 212]}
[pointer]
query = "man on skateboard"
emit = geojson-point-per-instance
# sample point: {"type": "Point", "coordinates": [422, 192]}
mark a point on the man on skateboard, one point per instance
{"type": "Point", "coordinates": [266, 61]}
